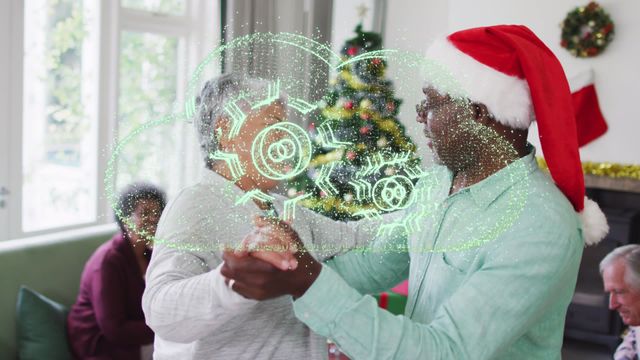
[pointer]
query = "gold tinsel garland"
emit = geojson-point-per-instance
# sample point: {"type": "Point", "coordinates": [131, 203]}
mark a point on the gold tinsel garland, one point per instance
{"type": "Point", "coordinates": [334, 203]}
{"type": "Point", "coordinates": [387, 125]}
{"type": "Point", "coordinates": [322, 159]}
{"type": "Point", "coordinates": [607, 169]}
{"type": "Point", "coordinates": [356, 84]}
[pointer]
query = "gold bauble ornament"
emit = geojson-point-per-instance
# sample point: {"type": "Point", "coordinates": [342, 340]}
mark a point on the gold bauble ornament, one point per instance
{"type": "Point", "coordinates": [365, 104]}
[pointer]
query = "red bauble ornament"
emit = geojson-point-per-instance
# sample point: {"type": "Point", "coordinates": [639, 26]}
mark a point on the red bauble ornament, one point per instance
{"type": "Point", "coordinates": [365, 130]}
{"type": "Point", "coordinates": [376, 61]}
{"type": "Point", "coordinates": [351, 155]}
{"type": "Point", "coordinates": [348, 105]}
{"type": "Point", "coordinates": [607, 29]}
{"type": "Point", "coordinates": [365, 116]}
{"type": "Point", "coordinates": [391, 106]}
{"type": "Point", "coordinates": [312, 126]}
{"type": "Point", "coordinates": [352, 51]}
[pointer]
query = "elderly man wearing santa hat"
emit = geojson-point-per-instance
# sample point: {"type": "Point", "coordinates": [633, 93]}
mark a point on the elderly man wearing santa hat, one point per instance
{"type": "Point", "coordinates": [494, 266]}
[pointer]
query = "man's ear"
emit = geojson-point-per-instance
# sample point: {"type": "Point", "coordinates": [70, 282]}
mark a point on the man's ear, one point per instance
{"type": "Point", "coordinates": [221, 132]}
{"type": "Point", "coordinates": [481, 114]}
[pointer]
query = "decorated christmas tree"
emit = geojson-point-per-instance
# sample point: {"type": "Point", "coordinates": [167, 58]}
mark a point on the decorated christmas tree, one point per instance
{"type": "Point", "coordinates": [361, 153]}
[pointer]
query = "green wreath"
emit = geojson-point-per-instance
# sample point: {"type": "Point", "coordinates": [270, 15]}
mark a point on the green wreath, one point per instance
{"type": "Point", "coordinates": [587, 30]}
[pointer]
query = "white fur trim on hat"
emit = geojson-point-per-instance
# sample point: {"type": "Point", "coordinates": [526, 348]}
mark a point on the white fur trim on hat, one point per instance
{"type": "Point", "coordinates": [594, 223]}
{"type": "Point", "coordinates": [506, 97]}
{"type": "Point", "coordinates": [581, 80]}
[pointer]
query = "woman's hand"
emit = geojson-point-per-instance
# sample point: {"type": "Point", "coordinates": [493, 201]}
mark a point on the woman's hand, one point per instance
{"type": "Point", "coordinates": [273, 241]}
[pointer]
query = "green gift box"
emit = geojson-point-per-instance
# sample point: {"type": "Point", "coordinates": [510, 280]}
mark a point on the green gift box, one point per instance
{"type": "Point", "coordinates": [392, 302]}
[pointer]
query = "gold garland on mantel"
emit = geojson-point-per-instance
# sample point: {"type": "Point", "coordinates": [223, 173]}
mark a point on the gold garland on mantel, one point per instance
{"type": "Point", "coordinates": [606, 169]}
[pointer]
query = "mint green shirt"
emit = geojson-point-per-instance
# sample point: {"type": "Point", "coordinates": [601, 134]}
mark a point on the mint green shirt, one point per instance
{"type": "Point", "coordinates": [491, 268]}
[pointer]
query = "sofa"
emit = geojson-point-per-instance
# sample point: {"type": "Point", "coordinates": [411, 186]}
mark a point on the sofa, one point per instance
{"type": "Point", "coordinates": [50, 265]}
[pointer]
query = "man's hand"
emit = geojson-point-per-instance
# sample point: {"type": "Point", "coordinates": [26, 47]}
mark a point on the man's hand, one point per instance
{"type": "Point", "coordinates": [256, 279]}
{"type": "Point", "coordinates": [273, 241]}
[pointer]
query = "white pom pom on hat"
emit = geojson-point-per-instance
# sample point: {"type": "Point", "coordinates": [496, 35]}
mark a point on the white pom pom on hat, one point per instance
{"type": "Point", "coordinates": [594, 223]}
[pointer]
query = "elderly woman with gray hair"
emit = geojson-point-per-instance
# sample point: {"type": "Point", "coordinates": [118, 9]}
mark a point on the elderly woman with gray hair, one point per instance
{"type": "Point", "coordinates": [620, 272]}
{"type": "Point", "coordinates": [193, 312]}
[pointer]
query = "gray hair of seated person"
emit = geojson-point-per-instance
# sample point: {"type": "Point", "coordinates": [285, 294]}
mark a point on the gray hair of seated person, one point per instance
{"type": "Point", "coordinates": [631, 256]}
{"type": "Point", "coordinates": [216, 94]}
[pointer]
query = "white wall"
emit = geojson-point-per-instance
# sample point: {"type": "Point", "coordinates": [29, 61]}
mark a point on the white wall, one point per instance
{"type": "Point", "coordinates": [411, 24]}
{"type": "Point", "coordinates": [344, 19]}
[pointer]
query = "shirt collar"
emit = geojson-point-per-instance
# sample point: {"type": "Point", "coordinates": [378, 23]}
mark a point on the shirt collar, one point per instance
{"type": "Point", "coordinates": [488, 190]}
{"type": "Point", "coordinates": [219, 184]}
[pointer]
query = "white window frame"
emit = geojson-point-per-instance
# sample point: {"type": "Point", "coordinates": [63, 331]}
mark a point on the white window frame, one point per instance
{"type": "Point", "coordinates": [199, 25]}
{"type": "Point", "coordinates": [5, 114]}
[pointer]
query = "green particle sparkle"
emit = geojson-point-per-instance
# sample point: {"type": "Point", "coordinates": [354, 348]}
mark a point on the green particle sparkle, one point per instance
{"type": "Point", "coordinates": [290, 155]}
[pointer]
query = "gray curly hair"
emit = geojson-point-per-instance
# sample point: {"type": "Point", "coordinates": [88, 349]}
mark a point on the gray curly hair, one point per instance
{"type": "Point", "coordinates": [631, 256]}
{"type": "Point", "coordinates": [214, 97]}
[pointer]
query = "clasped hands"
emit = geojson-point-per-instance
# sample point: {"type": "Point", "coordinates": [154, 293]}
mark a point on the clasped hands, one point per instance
{"type": "Point", "coordinates": [270, 262]}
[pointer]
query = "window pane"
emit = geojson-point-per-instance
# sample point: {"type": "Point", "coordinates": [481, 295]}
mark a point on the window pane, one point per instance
{"type": "Point", "coordinates": [59, 132]}
{"type": "Point", "coordinates": [148, 78]}
{"type": "Point", "coordinates": [173, 7]}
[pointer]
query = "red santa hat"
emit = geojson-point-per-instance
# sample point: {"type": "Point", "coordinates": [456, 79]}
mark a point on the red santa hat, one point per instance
{"type": "Point", "coordinates": [511, 71]}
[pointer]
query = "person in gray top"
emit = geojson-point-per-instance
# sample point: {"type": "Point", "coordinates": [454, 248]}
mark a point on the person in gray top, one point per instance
{"type": "Point", "coordinates": [193, 313]}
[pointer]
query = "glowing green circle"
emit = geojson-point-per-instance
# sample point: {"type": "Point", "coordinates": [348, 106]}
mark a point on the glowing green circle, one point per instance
{"type": "Point", "coordinates": [281, 150]}
{"type": "Point", "coordinates": [295, 147]}
{"type": "Point", "coordinates": [416, 63]}
{"type": "Point", "coordinates": [392, 193]}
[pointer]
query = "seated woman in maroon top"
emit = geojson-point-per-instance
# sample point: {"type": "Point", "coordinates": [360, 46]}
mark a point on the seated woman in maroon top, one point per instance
{"type": "Point", "coordinates": [107, 321]}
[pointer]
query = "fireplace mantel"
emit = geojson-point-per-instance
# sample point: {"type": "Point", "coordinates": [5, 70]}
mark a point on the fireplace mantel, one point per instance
{"type": "Point", "coordinates": [588, 316]}
{"type": "Point", "coordinates": [609, 183]}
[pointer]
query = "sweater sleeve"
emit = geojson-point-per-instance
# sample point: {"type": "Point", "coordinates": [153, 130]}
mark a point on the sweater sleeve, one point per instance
{"type": "Point", "coordinates": [186, 297]}
{"type": "Point", "coordinates": [109, 299]}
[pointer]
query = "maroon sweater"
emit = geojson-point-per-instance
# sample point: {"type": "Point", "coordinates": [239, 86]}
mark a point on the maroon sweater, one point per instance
{"type": "Point", "coordinates": [107, 321]}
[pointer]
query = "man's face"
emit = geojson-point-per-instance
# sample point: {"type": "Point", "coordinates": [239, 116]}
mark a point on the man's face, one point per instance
{"type": "Point", "coordinates": [622, 298]}
{"type": "Point", "coordinates": [449, 128]}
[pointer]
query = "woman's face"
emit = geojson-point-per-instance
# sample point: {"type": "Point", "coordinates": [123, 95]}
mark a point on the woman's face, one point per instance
{"type": "Point", "coordinates": [145, 218]}
{"type": "Point", "coordinates": [256, 121]}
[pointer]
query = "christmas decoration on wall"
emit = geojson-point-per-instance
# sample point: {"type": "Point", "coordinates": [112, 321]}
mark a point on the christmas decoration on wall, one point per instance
{"type": "Point", "coordinates": [363, 163]}
{"type": "Point", "coordinates": [606, 169]}
{"type": "Point", "coordinates": [590, 121]}
{"type": "Point", "coordinates": [587, 30]}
